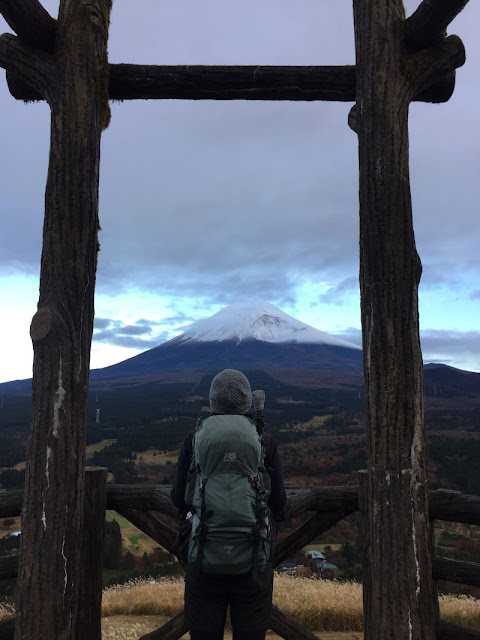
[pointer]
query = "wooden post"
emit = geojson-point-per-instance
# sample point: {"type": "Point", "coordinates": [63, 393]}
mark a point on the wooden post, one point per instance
{"type": "Point", "coordinates": [399, 600]}
{"type": "Point", "coordinates": [91, 569]}
{"type": "Point", "coordinates": [74, 81]}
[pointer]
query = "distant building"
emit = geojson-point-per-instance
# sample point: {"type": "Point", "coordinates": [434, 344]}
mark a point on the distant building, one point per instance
{"type": "Point", "coordinates": [290, 567]}
{"type": "Point", "coordinates": [320, 562]}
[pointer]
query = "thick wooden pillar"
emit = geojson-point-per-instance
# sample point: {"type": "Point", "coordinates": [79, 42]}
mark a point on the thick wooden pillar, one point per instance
{"type": "Point", "coordinates": [399, 594]}
{"type": "Point", "coordinates": [74, 82]}
{"type": "Point", "coordinates": [91, 569]}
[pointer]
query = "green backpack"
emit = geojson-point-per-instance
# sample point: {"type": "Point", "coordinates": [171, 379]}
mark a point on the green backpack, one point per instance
{"type": "Point", "coordinates": [227, 491]}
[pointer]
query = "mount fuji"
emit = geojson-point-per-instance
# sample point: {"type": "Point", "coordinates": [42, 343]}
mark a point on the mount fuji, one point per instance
{"type": "Point", "coordinates": [247, 336]}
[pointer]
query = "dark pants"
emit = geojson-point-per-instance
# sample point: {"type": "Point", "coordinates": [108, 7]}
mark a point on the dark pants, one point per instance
{"type": "Point", "coordinates": [208, 596]}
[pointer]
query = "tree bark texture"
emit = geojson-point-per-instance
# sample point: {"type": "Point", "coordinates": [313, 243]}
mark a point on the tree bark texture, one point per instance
{"type": "Point", "coordinates": [61, 330]}
{"type": "Point", "coordinates": [399, 598]}
{"type": "Point", "coordinates": [197, 82]}
{"type": "Point", "coordinates": [91, 567]}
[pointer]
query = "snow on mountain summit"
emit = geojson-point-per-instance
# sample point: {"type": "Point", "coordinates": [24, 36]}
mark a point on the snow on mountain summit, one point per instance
{"type": "Point", "coordinates": [257, 321]}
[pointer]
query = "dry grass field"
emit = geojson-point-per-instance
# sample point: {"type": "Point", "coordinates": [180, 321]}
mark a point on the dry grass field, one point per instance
{"type": "Point", "coordinates": [155, 456]}
{"type": "Point", "coordinates": [320, 605]}
{"type": "Point", "coordinates": [128, 628]}
{"type": "Point", "coordinates": [333, 610]}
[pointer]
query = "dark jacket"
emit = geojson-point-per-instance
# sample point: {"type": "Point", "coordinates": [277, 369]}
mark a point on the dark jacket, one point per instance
{"type": "Point", "coordinates": [277, 499]}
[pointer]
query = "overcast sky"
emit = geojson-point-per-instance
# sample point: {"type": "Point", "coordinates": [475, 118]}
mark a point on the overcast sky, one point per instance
{"type": "Point", "coordinates": [207, 203]}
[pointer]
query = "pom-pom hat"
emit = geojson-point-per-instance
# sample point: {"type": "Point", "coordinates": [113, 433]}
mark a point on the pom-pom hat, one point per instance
{"type": "Point", "coordinates": [230, 393]}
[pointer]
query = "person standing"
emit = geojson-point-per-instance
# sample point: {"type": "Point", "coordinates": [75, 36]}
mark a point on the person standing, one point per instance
{"type": "Point", "coordinates": [228, 483]}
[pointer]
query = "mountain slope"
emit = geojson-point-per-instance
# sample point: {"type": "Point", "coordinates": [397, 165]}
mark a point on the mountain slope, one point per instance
{"type": "Point", "coordinates": [248, 336]}
{"type": "Point", "coordinates": [258, 321]}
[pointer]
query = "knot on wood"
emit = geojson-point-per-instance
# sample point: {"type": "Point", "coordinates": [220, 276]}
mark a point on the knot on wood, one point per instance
{"type": "Point", "coordinates": [41, 324]}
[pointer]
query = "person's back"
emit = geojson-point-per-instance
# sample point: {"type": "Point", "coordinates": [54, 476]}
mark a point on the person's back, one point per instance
{"type": "Point", "coordinates": [222, 482]}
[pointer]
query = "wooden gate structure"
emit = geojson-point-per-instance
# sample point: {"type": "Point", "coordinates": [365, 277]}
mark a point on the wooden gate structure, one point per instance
{"type": "Point", "coordinates": [65, 62]}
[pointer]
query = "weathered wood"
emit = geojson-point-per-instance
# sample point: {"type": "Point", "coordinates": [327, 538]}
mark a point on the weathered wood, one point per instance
{"type": "Point", "coordinates": [171, 630]}
{"type": "Point", "coordinates": [7, 629]}
{"type": "Point", "coordinates": [196, 82]}
{"type": "Point", "coordinates": [141, 497]}
{"type": "Point", "coordinates": [11, 503]}
{"type": "Point", "coordinates": [454, 506]}
{"type": "Point", "coordinates": [61, 330]}
{"type": "Point", "coordinates": [91, 567]}
{"type": "Point", "coordinates": [429, 22]}
{"type": "Point", "coordinates": [400, 600]}
{"type": "Point", "coordinates": [152, 526]}
{"type": "Point", "coordinates": [31, 22]}
{"type": "Point", "coordinates": [288, 628]}
{"type": "Point", "coordinates": [343, 499]}
{"type": "Point", "coordinates": [456, 571]}
{"type": "Point", "coordinates": [451, 631]}
{"type": "Point", "coordinates": [305, 533]}
{"type": "Point", "coordinates": [444, 504]}
{"type": "Point", "coordinates": [8, 566]}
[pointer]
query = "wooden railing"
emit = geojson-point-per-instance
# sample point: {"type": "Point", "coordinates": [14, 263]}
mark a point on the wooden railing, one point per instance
{"type": "Point", "coordinates": [140, 504]}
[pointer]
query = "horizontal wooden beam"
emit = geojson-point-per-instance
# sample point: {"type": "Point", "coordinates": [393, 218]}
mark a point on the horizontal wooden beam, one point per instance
{"type": "Point", "coordinates": [31, 22]}
{"type": "Point", "coordinates": [196, 82]}
{"type": "Point", "coordinates": [454, 506]}
{"type": "Point", "coordinates": [8, 566]}
{"type": "Point", "coordinates": [11, 503]}
{"type": "Point", "coordinates": [147, 497]}
{"type": "Point", "coordinates": [451, 631]}
{"type": "Point", "coordinates": [7, 629]}
{"type": "Point", "coordinates": [456, 571]}
{"type": "Point", "coordinates": [430, 21]}
{"type": "Point", "coordinates": [444, 504]}
{"type": "Point", "coordinates": [319, 498]}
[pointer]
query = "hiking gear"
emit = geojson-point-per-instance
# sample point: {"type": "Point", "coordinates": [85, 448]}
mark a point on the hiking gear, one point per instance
{"type": "Point", "coordinates": [230, 393]}
{"type": "Point", "coordinates": [207, 598]}
{"type": "Point", "coordinates": [259, 405]}
{"type": "Point", "coordinates": [227, 491]}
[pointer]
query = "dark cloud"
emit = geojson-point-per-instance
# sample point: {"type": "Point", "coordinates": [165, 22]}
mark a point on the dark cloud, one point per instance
{"type": "Point", "coordinates": [475, 295]}
{"type": "Point", "coordinates": [449, 347]}
{"type": "Point", "coordinates": [102, 323]}
{"type": "Point", "coordinates": [113, 338]}
{"type": "Point", "coordinates": [179, 318]}
{"type": "Point", "coordinates": [135, 330]}
{"type": "Point", "coordinates": [336, 294]}
{"type": "Point", "coordinates": [117, 333]}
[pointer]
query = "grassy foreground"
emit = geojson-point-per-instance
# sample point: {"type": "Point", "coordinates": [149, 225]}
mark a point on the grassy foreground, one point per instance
{"type": "Point", "coordinates": [330, 608]}
{"type": "Point", "coordinates": [131, 628]}
{"type": "Point", "coordinates": [319, 605]}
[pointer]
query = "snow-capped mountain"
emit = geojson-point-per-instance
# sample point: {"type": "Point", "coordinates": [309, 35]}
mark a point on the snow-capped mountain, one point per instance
{"type": "Point", "coordinates": [247, 336]}
{"type": "Point", "coordinates": [258, 321]}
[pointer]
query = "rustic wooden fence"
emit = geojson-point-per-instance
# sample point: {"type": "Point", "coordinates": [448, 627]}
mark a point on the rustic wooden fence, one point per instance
{"type": "Point", "coordinates": [140, 504]}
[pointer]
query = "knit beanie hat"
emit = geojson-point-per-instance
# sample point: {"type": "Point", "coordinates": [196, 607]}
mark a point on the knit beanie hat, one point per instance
{"type": "Point", "coordinates": [230, 393]}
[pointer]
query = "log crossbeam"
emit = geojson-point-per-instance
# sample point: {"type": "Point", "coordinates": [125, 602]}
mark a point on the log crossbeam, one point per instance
{"type": "Point", "coordinates": [452, 506]}
{"type": "Point", "coordinates": [197, 82]}
{"type": "Point", "coordinates": [447, 505]}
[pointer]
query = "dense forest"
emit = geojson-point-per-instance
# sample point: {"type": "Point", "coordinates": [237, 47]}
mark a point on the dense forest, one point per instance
{"type": "Point", "coordinates": [321, 432]}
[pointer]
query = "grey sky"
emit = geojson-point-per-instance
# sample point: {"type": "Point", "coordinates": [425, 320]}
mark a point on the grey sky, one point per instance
{"type": "Point", "coordinates": [222, 201]}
